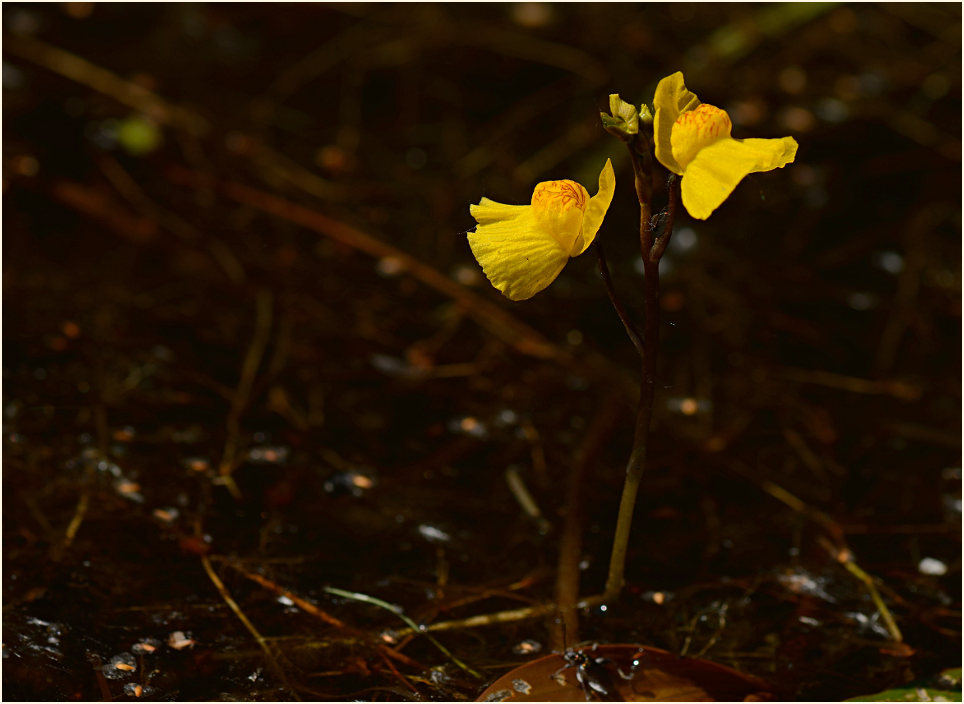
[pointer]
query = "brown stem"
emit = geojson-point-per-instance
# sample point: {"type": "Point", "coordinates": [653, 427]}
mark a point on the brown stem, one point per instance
{"type": "Point", "coordinates": [662, 241]}
{"type": "Point", "coordinates": [651, 252]}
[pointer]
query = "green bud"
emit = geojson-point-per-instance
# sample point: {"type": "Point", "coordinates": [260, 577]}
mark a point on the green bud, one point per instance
{"type": "Point", "coordinates": [620, 108]}
{"type": "Point", "coordinates": [645, 116]}
{"type": "Point", "coordinates": [624, 117]}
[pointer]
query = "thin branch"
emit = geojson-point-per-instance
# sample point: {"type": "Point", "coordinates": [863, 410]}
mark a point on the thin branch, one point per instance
{"type": "Point", "coordinates": [103, 81]}
{"type": "Point", "coordinates": [631, 329]}
{"type": "Point", "coordinates": [223, 591]}
{"type": "Point", "coordinates": [249, 369]}
{"type": "Point", "coordinates": [566, 627]}
{"type": "Point", "coordinates": [302, 604]}
{"type": "Point", "coordinates": [489, 315]}
{"type": "Point", "coordinates": [397, 610]}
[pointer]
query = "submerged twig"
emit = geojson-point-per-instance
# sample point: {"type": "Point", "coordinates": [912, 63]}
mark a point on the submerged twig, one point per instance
{"type": "Point", "coordinates": [902, 390]}
{"type": "Point", "coordinates": [508, 616]}
{"type": "Point", "coordinates": [397, 610]}
{"type": "Point", "coordinates": [846, 558]}
{"type": "Point", "coordinates": [134, 193]}
{"type": "Point", "coordinates": [233, 605]}
{"type": "Point", "coordinates": [103, 81]}
{"type": "Point", "coordinates": [398, 675]}
{"type": "Point", "coordinates": [249, 369]}
{"type": "Point", "coordinates": [570, 544]}
{"type": "Point", "coordinates": [501, 324]}
{"type": "Point", "coordinates": [522, 495]}
{"type": "Point", "coordinates": [837, 547]}
{"type": "Point", "coordinates": [75, 522]}
{"type": "Point", "coordinates": [302, 604]}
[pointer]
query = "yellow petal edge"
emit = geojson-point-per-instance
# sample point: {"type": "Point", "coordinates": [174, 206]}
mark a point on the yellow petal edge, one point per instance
{"type": "Point", "coordinates": [671, 100]}
{"type": "Point", "coordinates": [711, 177]}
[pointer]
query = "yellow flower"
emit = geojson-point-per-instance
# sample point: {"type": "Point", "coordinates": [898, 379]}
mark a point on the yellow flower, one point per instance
{"type": "Point", "coordinates": [693, 140]}
{"type": "Point", "coordinates": [522, 248]}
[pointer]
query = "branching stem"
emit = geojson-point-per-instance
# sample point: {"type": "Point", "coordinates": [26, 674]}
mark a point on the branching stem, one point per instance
{"type": "Point", "coordinates": [652, 248]}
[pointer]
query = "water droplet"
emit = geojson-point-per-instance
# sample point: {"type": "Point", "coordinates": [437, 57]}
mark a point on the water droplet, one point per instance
{"type": "Point", "coordinates": [521, 686]}
{"type": "Point", "coordinates": [932, 566]}
{"type": "Point", "coordinates": [146, 646]}
{"type": "Point", "coordinates": [468, 426]}
{"type": "Point", "coordinates": [390, 266]}
{"type": "Point", "coordinates": [120, 666]}
{"type": "Point", "coordinates": [684, 239]}
{"type": "Point", "coordinates": [433, 534]}
{"type": "Point", "coordinates": [890, 262]}
{"type": "Point", "coordinates": [179, 640]}
{"type": "Point", "coordinates": [349, 482]}
{"type": "Point", "coordinates": [268, 454]}
{"type": "Point", "coordinates": [136, 690]}
{"type": "Point", "coordinates": [527, 647]}
{"type": "Point", "coordinates": [861, 301]}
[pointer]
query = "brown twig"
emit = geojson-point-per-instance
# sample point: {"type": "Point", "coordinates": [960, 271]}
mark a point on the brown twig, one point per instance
{"type": "Point", "coordinates": [302, 604]}
{"type": "Point", "coordinates": [884, 387]}
{"type": "Point", "coordinates": [846, 558]}
{"type": "Point", "coordinates": [98, 666]}
{"type": "Point", "coordinates": [103, 81]}
{"type": "Point", "coordinates": [570, 543]}
{"type": "Point", "coordinates": [503, 325]}
{"type": "Point", "coordinates": [98, 204]}
{"type": "Point", "coordinates": [233, 605]}
{"type": "Point", "coordinates": [249, 370]}
{"type": "Point", "coordinates": [133, 193]}
{"type": "Point", "coordinates": [398, 675]}
{"type": "Point", "coordinates": [835, 544]}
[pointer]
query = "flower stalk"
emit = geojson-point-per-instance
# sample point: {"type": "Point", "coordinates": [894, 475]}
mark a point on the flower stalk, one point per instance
{"type": "Point", "coordinates": [652, 247]}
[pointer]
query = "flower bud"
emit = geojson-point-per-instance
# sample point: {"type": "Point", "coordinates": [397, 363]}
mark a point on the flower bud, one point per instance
{"type": "Point", "coordinates": [623, 119]}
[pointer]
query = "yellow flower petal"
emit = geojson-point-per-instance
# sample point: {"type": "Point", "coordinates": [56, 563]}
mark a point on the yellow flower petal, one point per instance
{"type": "Point", "coordinates": [718, 168]}
{"type": "Point", "coordinates": [773, 153]}
{"type": "Point", "coordinates": [489, 211]}
{"type": "Point", "coordinates": [518, 256]}
{"type": "Point", "coordinates": [596, 210]}
{"type": "Point", "coordinates": [671, 100]}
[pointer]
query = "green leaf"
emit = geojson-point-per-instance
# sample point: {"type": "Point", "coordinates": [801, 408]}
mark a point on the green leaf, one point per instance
{"type": "Point", "coordinates": [945, 687]}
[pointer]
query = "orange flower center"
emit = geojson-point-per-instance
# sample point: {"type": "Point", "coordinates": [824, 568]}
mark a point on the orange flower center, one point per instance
{"type": "Point", "coordinates": [560, 196]}
{"type": "Point", "coordinates": [697, 129]}
{"type": "Point", "coordinates": [559, 207]}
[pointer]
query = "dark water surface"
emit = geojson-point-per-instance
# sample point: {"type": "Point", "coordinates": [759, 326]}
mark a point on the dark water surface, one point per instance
{"type": "Point", "coordinates": [216, 406]}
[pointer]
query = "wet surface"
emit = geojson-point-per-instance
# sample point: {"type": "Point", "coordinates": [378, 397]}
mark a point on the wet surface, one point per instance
{"type": "Point", "coordinates": [217, 406]}
{"type": "Point", "coordinates": [624, 673]}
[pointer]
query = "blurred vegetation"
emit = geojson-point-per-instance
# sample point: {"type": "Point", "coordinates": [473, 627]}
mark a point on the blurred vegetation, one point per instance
{"type": "Point", "coordinates": [235, 267]}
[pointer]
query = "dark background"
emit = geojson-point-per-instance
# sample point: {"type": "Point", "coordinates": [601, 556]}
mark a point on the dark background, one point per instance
{"type": "Point", "coordinates": [171, 318]}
